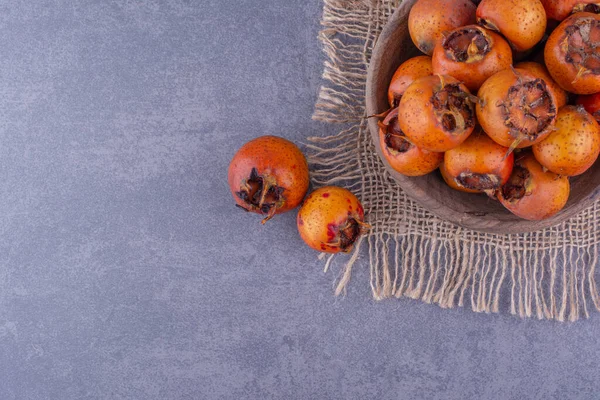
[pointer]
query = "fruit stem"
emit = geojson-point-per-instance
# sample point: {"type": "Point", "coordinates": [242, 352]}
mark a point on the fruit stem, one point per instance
{"type": "Point", "coordinates": [381, 115]}
{"type": "Point", "coordinates": [487, 24]}
{"type": "Point", "coordinates": [268, 183]}
{"type": "Point", "coordinates": [363, 227]}
{"type": "Point", "coordinates": [582, 71]}
{"type": "Point", "coordinates": [513, 146]}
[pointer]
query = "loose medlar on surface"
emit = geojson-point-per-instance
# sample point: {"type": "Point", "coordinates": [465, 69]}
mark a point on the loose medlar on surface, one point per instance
{"type": "Point", "coordinates": [268, 175]}
{"type": "Point", "coordinates": [331, 219]}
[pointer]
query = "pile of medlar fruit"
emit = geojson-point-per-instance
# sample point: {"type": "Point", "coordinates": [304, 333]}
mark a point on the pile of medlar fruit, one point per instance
{"type": "Point", "coordinates": [504, 102]}
{"type": "Point", "coordinates": [269, 175]}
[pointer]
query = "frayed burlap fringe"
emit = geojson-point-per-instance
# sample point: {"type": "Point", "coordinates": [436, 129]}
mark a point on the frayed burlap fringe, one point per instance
{"type": "Point", "coordinates": [547, 274]}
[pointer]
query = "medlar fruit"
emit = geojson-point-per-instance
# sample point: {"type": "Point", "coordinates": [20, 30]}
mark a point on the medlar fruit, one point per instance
{"type": "Point", "coordinates": [437, 113]}
{"type": "Point", "coordinates": [429, 19]}
{"type": "Point", "coordinates": [532, 193]}
{"type": "Point", "coordinates": [575, 144]}
{"type": "Point", "coordinates": [471, 54]}
{"type": "Point", "coordinates": [268, 175]}
{"type": "Point", "coordinates": [331, 219]}
{"type": "Point", "coordinates": [571, 53]}
{"type": "Point", "coordinates": [402, 155]}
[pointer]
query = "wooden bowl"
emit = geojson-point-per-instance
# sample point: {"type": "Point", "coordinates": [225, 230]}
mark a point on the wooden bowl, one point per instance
{"type": "Point", "coordinates": [473, 211]}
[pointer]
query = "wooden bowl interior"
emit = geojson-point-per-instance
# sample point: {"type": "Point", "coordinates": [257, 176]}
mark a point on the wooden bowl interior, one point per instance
{"type": "Point", "coordinates": [477, 212]}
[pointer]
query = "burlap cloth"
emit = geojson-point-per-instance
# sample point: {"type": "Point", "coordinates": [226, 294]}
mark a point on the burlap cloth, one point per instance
{"type": "Point", "coordinates": [547, 274]}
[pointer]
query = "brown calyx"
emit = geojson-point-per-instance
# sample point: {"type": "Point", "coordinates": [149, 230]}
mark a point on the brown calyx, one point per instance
{"type": "Point", "coordinates": [528, 109]}
{"type": "Point", "coordinates": [475, 181]}
{"type": "Point", "coordinates": [516, 187]}
{"type": "Point", "coordinates": [394, 138]}
{"type": "Point", "coordinates": [591, 8]}
{"type": "Point", "coordinates": [454, 107]}
{"type": "Point", "coordinates": [581, 44]}
{"type": "Point", "coordinates": [466, 45]}
{"type": "Point", "coordinates": [260, 193]}
{"type": "Point", "coordinates": [349, 232]}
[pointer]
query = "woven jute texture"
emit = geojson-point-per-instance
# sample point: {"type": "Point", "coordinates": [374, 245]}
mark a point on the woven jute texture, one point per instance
{"type": "Point", "coordinates": [546, 274]}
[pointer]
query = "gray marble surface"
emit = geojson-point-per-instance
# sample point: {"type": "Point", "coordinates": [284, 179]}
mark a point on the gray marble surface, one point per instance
{"type": "Point", "coordinates": [125, 270]}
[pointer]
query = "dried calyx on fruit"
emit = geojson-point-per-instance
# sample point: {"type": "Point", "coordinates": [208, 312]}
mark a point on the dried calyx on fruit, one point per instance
{"type": "Point", "coordinates": [437, 113]}
{"type": "Point", "coordinates": [529, 110]}
{"type": "Point", "coordinates": [478, 164]}
{"type": "Point", "coordinates": [453, 107]}
{"type": "Point", "coordinates": [571, 53]}
{"type": "Point", "coordinates": [471, 54]}
{"type": "Point", "coordinates": [540, 71]}
{"type": "Point", "coordinates": [516, 187]}
{"type": "Point", "coordinates": [467, 44]}
{"type": "Point", "coordinates": [394, 138]}
{"type": "Point", "coordinates": [451, 181]}
{"type": "Point", "coordinates": [482, 182]}
{"type": "Point", "coordinates": [591, 8]}
{"type": "Point", "coordinates": [261, 194]}
{"type": "Point", "coordinates": [517, 109]}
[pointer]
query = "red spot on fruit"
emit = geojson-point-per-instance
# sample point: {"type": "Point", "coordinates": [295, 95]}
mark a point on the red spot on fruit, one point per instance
{"type": "Point", "coordinates": [331, 231]}
{"type": "Point", "coordinates": [348, 200]}
{"type": "Point", "coordinates": [300, 221]}
{"type": "Point", "coordinates": [323, 247]}
{"type": "Point", "coordinates": [326, 195]}
{"type": "Point", "coordinates": [361, 211]}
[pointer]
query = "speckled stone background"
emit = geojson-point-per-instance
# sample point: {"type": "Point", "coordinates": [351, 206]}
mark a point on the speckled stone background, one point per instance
{"type": "Point", "coordinates": [125, 270]}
